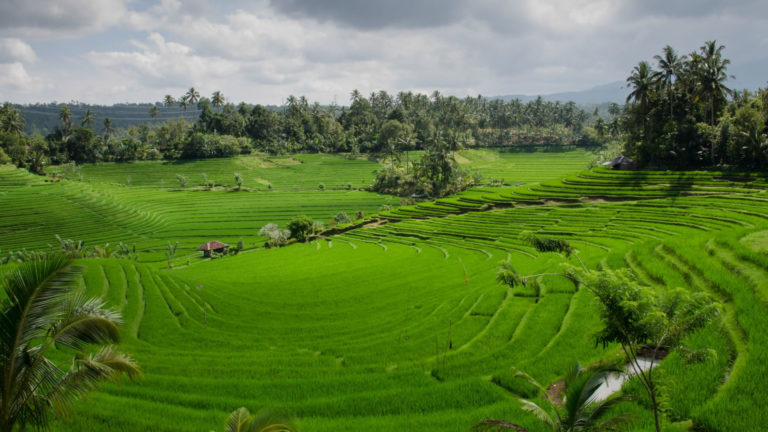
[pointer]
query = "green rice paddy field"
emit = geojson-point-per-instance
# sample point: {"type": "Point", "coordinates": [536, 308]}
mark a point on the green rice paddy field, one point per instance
{"type": "Point", "coordinates": [400, 325]}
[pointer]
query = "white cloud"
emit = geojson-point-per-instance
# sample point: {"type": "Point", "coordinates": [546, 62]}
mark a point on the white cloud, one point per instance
{"type": "Point", "coordinates": [12, 49]}
{"type": "Point", "coordinates": [156, 58]}
{"type": "Point", "coordinates": [14, 80]}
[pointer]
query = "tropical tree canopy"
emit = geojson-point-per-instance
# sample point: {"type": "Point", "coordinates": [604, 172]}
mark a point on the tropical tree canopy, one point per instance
{"type": "Point", "coordinates": [44, 309]}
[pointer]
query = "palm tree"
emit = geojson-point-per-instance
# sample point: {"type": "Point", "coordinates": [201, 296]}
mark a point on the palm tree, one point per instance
{"type": "Point", "coordinates": [154, 111]}
{"type": "Point", "coordinates": [107, 129]}
{"type": "Point", "coordinates": [107, 125]}
{"type": "Point", "coordinates": [87, 119]}
{"type": "Point", "coordinates": [670, 66]}
{"type": "Point", "coordinates": [184, 102]}
{"type": "Point", "coordinates": [43, 308]}
{"type": "Point", "coordinates": [579, 410]}
{"type": "Point", "coordinates": [355, 95]}
{"type": "Point", "coordinates": [642, 81]}
{"type": "Point", "coordinates": [11, 120]}
{"type": "Point", "coordinates": [65, 115]}
{"type": "Point", "coordinates": [169, 101]}
{"type": "Point", "coordinates": [712, 76]}
{"type": "Point", "coordinates": [192, 96]}
{"type": "Point", "coordinates": [266, 420]}
{"type": "Point", "coordinates": [217, 99]}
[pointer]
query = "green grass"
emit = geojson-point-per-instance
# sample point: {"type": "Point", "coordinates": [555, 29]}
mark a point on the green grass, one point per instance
{"type": "Point", "coordinates": [399, 326]}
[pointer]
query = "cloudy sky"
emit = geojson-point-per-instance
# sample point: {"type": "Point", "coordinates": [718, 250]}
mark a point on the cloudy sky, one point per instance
{"type": "Point", "coordinates": [261, 51]}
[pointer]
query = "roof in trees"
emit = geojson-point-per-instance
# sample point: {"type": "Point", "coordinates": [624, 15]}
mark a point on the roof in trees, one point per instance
{"type": "Point", "coordinates": [212, 245]}
{"type": "Point", "coordinates": [620, 163]}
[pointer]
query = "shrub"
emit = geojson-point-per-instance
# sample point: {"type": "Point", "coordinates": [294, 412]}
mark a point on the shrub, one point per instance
{"type": "Point", "coordinates": [300, 226]}
{"type": "Point", "coordinates": [4, 159]}
{"type": "Point", "coordinates": [276, 236]}
{"type": "Point", "coordinates": [341, 218]}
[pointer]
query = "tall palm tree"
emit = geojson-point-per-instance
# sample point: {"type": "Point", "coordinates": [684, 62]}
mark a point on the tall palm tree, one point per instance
{"type": "Point", "coordinates": [266, 420]}
{"type": "Point", "coordinates": [154, 111]}
{"type": "Point", "coordinates": [87, 119]}
{"type": "Point", "coordinates": [43, 309]}
{"type": "Point", "coordinates": [107, 126]}
{"type": "Point", "coordinates": [643, 82]}
{"type": "Point", "coordinates": [217, 99]}
{"type": "Point", "coordinates": [712, 77]}
{"type": "Point", "coordinates": [579, 412]}
{"type": "Point", "coordinates": [192, 96]}
{"type": "Point", "coordinates": [670, 65]}
{"type": "Point", "coordinates": [169, 101]}
{"type": "Point", "coordinates": [184, 102]}
{"type": "Point", "coordinates": [65, 115]}
{"type": "Point", "coordinates": [107, 130]}
{"type": "Point", "coordinates": [355, 95]}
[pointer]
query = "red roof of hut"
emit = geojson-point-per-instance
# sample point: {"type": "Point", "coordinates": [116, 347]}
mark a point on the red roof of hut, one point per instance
{"type": "Point", "coordinates": [212, 245]}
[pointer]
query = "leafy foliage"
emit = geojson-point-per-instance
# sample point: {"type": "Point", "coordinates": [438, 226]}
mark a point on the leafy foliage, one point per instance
{"type": "Point", "coordinates": [43, 309]}
{"type": "Point", "coordinates": [300, 227]}
{"type": "Point", "coordinates": [579, 411]}
{"type": "Point", "coordinates": [679, 116]}
{"type": "Point", "coordinates": [544, 244]}
{"type": "Point", "coordinates": [636, 316]}
{"type": "Point", "coordinates": [266, 420]}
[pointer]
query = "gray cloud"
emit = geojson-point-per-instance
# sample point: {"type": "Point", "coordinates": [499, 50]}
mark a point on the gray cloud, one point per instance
{"type": "Point", "coordinates": [695, 8]}
{"type": "Point", "coordinates": [369, 15]}
{"type": "Point", "coordinates": [263, 50]}
{"type": "Point", "coordinates": [59, 18]}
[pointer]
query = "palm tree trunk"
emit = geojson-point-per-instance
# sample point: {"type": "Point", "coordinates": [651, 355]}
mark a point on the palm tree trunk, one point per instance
{"type": "Point", "coordinates": [712, 108]}
{"type": "Point", "coordinates": [669, 95]}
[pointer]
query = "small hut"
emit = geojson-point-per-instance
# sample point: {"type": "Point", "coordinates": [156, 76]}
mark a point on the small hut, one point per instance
{"type": "Point", "coordinates": [215, 246]}
{"type": "Point", "coordinates": [620, 163]}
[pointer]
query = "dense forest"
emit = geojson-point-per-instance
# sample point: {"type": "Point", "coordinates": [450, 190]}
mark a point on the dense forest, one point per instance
{"type": "Point", "coordinates": [682, 114]}
{"type": "Point", "coordinates": [380, 123]}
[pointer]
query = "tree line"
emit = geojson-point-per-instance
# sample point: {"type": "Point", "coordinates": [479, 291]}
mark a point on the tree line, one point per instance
{"type": "Point", "coordinates": [682, 115]}
{"type": "Point", "coordinates": [378, 124]}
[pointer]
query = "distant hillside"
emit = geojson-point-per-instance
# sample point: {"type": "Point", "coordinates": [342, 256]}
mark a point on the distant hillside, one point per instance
{"type": "Point", "coordinates": [614, 92]}
{"type": "Point", "coordinates": [44, 118]}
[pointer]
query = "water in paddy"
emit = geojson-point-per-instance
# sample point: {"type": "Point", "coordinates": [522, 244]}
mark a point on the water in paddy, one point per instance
{"type": "Point", "coordinates": [614, 381]}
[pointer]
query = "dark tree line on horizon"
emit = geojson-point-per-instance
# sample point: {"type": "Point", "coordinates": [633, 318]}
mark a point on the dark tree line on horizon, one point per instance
{"type": "Point", "coordinates": [381, 124]}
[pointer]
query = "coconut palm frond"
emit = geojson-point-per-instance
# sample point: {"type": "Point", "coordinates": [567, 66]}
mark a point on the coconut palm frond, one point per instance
{"type": "Point", "coordinates": [238, 420]}
{"type": "Point", "coordinates": [85, 321]}
{"type": "Point", "coordinates": [541, 413]}
{"type": "Point", "coordinates": [44, 306]}
{"type": "Point", "coordinates": [522, 375]}
{"type": "Point", "coordinates": [601, 408]}
{"type": "Point", "coordinates": [273, 420]}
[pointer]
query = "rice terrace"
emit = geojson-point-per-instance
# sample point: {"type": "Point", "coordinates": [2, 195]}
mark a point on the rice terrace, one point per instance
{"type": "Point", "coordinates": [407, 262]}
